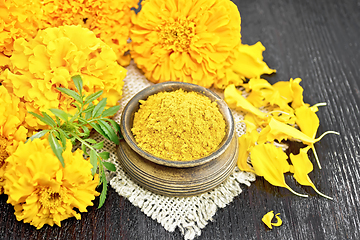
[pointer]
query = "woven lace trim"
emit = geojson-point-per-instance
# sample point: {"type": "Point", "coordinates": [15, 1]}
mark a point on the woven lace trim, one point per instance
{"type": "Point", "coordinates": [189, 214]}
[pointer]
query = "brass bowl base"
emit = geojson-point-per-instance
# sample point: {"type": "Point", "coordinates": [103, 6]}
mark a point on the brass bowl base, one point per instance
{"type": "Point", "coordinates": [178, 182]}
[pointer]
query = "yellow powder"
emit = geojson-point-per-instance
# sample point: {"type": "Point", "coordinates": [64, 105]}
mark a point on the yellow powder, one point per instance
{"type": "Point", "coordinates": [178, 125]}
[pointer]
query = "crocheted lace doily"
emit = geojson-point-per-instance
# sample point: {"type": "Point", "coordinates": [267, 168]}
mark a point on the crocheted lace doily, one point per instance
{"type": "Point", "coordinates": [189, 214]}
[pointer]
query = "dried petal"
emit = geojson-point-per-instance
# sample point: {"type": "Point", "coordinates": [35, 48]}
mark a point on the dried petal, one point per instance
{"type": "Point", "coordinates": [284, 89]}
{"type": "Point", "coordinates": [307, 120]}
{"type": "Point", "coordinates": [297, 93]}
{"type": "Point", "coordinates": [279, 221]}
{"type": "Point", "coordinates": [302, 167]}
{"type": "Point", "coordinates": [267, 218]}
{"type": "Point", "coordinates": [236, 101]}
{"type": "Point", "coordinates": [270, 162]}
{"type": "Point", "coordinates": [257, 122]}
{"type": "Point", "coordinates": [291, 91]}
{"type": "Point", "coordinates": [246, 142]}
{"type": "Point", "coordinates": [278, 130]}
{"type": "Point", "coordinates": [249, 62]}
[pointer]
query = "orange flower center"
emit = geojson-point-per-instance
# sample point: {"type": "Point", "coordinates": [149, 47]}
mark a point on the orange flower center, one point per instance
{"type": "Point", "coordinates": [50, 199]}
{"type": "Point", "coordinates": [3, 153]}
{"type": "Point", "coordinates": [177, 35]}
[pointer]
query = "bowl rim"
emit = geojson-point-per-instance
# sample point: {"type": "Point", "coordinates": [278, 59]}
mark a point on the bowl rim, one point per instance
{"type": "Point", "coordinates": [128, 113]}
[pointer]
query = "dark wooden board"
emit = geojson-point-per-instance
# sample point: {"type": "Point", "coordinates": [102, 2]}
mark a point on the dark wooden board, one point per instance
{"type": "Point", "coordinates": [317, 41]}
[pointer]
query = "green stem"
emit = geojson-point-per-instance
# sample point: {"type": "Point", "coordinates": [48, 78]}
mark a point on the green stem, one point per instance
{"type": "Point", "coordinates": [91, 148]}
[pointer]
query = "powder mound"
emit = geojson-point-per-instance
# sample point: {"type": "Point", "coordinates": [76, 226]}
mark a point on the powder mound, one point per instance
{"type": "Point", "coordinates": [178, 125]}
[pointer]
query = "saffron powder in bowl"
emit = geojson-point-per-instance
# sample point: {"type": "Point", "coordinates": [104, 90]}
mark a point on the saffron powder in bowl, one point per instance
{"type": "Point", "coordinates": [178, 125]}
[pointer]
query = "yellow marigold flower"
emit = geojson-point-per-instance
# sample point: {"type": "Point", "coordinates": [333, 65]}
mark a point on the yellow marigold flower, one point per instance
{"type": "Point", "coordinates": [18, 18]}
{"type": "Point", "coordinates": [189, 41]}
{"type": "Point", "coordinates": [41, 190]}
{"type": "Point", "coordinates": [51, 59]}
{"type": "Point", "coordinates": [4, 62]}
{"type": "Point", "coordinates": [12, 115]}
{"type": "Point", "coordinates": [268, 217]}
{"type": "Point", "coordinates": [109, 20]}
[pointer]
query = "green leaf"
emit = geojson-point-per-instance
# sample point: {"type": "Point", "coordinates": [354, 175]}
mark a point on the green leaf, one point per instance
{"type": "Point", "coordinates": [110, 111]}
{"type": "Point", "coordinates": [56, 134]}
{"type": "Point", "coordinates": [115, 125]}
{"type": "Point", "coordinates": [82, 121]}
{"type": "Point", "coordinates": [76, 105]}
{"type": "Point", "coordinates": [60, 113]}
{"type": "Point", "coordinates": [98, 145]}
{"type": "Point", "coordinates": [57, 121]}
{"type": "Point", "coordinates": [99, 108]}
{"type": "Point", "coordinates": [93, 97]}
{"type": "Point", "coordinates": [89, 108]}
{"type": "Point", "coordinates": [38, 135]}
{"type": "Point", "coordinates": [43, 119]}
{"type": "Point", "coordinates": [78, 83]}
{"type": "Point", "coordinates": [57, 149]}
{"type": "Point", "coordinates": [71, 93]}
{"type": "Point", "coordinates": [98, 129]}
{"type": "Point", "coordinates": [110, 166]}
{"type": "Point", "coordinates": [64, 133]}
{"type": "Point", "coordinates": [49, 119]}
{"type": "Point", "coordinates": [89, 113]}
{"type": "Point", "coordinates": [110, 133]}
{"type": "Point", "coordinates": [83, 148]}
{"type": "Point", "coordinates": [104, 189]}
{"type": "Point", "coordinates": [104, 155]}
{"type": "Point", "coordinates": [90, 140]}
{"type": "Point", "coordinates": [86, 131]}
{"type": "Point", "coordinates": [62, 138]}
{"type": "Point", "coordinates": [93, 161]}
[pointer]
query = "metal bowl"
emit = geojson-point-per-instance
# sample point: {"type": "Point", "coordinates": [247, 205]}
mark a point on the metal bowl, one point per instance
{"type": "Point", "coordinates": [133, 105]}
{"type": "Point", "coordinates": [176, 178]}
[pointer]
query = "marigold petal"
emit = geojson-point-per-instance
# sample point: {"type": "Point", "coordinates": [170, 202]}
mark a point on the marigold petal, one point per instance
{"type": "Point", "coordinates": [302, 167]}
{"type": "Point", "coordinates": [297, 93]}
{"type": "Point", "coordinates": [279, 221]}
{"type": "Point", "coordinates": [246, 141]}
{"type": "Point", "coordinates": [236, 101]}
{"type": "Point", "coordinates": [257, 122]}
{"type": "Point", "coordinates": [270, 162]}
{"type": "Point", "coordinates": [284, 89]}
{"type": "Point", "coordinates": [307, 120]}
{"type": "Point", "coordinates": [278, 130]}
{"type": "Point", "coordinates": [18, 20]}
{"type": "Point", "coordinates": [249, 62]}
{"type": "Point", "coordinates": [268, 217]}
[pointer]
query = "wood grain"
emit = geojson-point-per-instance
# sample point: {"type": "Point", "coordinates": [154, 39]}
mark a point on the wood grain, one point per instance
{"type": "Point", "coordinates": [317, 41]}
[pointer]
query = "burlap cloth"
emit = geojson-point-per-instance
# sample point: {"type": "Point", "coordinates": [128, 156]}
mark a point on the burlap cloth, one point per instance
{"type": "Point", "coordinates": [189, 214]}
